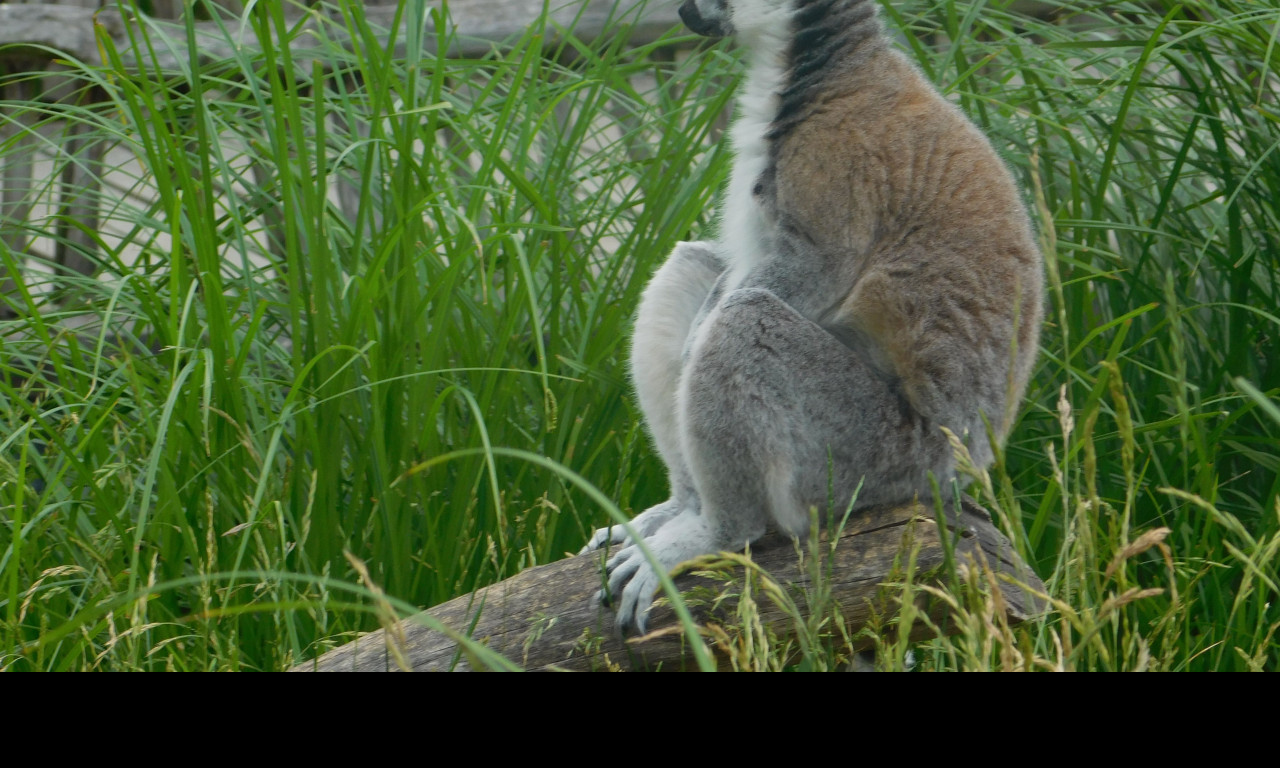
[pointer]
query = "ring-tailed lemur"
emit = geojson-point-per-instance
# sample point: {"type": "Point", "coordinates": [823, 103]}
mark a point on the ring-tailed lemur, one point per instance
{"type": "Point", "coordinates": [876, 279]}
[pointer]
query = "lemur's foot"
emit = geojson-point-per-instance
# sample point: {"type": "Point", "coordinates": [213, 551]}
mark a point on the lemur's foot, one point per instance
{"type": "Point", "coordinates": [633, 581]}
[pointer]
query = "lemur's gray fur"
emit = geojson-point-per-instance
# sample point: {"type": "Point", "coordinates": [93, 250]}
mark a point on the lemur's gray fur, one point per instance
{"type": "Point", "coordinates": [876, 279]}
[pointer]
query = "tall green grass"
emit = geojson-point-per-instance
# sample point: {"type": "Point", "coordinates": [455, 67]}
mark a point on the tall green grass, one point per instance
{"type": "Point", "coordinates": [349, 269]}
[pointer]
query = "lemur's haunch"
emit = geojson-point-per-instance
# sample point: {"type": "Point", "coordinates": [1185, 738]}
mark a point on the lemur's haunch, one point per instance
{"type": "Point", "coordinates": [876, 279]}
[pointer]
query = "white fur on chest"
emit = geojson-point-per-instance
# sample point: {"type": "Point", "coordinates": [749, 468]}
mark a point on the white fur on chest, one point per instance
{"type": "Point", "coordinates": [744, 230]}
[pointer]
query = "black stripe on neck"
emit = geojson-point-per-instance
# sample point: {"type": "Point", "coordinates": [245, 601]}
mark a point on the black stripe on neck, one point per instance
{"type": "Point", "coordinates": [823, 33]}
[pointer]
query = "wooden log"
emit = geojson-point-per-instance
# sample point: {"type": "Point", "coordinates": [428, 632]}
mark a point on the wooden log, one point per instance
{"type": "Point", "coordinates": [547, 618]}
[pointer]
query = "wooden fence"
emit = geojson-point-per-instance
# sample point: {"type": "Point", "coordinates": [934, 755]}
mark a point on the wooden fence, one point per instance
{"type": "Point", "coordinates": [60, 174]}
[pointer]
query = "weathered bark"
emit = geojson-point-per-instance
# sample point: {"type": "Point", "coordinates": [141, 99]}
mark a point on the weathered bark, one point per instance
{"type": "Point", "coordinates": [546, 617]}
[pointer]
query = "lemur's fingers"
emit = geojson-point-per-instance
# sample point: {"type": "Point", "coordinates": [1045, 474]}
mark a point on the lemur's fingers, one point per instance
{"type": "Point", "coordinates": [605, 537]}
{"type": "Point", "coordinates": [622, 566]}
{"type": "Point", "coordinates": [645, 524]}
{"type": "Point", "coordinates": [637, 599]}
{"type": "Point", "coordinates": [632, 585]}
{"type": "Point", "coordinates": [619, 567]}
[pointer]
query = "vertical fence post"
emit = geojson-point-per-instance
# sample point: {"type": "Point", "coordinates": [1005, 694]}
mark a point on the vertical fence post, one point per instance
{"type": "Point", "coordinates": [77, 241]}
{"type": "Point", "coordinates": [16, 174]}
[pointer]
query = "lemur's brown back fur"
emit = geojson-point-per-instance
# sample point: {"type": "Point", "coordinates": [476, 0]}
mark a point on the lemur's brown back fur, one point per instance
{"type": "Point", "coordinates": [936, 246]}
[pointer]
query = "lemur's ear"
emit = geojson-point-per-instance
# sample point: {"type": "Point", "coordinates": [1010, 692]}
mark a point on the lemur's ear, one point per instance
{"type": "Point", "coordinates": [712, 23]}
